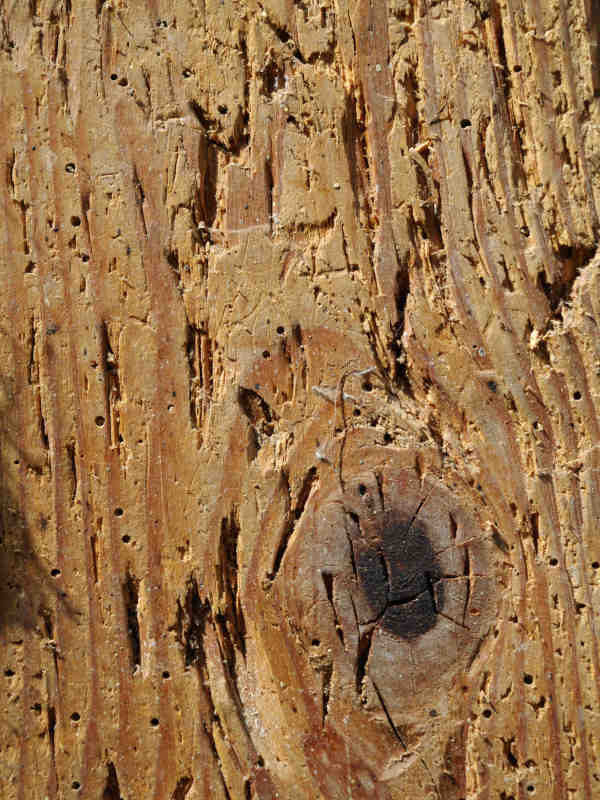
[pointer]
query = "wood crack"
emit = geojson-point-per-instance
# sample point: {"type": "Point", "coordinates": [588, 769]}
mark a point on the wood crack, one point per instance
{"type": "Point", "coordinates": [292, 517]}
{"type": "Point", "coordinates": [131, 600]}
{"type": "Point", "coordinates": [328, 581]}
{"type": "Point", "coordinates": [388, 716]}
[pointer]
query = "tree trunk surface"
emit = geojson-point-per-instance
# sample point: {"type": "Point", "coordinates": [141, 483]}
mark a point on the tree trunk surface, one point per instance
{"type": "Point", "coordinates": [300, 397]}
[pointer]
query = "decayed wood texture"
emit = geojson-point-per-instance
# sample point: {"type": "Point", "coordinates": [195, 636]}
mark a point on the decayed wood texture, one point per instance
{"type": "Point", "coordinates": [300, 381]}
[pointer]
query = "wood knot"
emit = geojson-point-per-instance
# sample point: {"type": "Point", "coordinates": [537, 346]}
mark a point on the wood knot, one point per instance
{"type": "Point", "coordinates": [383, 591]}
{"type": "Point", "coordinates": [396, 580]}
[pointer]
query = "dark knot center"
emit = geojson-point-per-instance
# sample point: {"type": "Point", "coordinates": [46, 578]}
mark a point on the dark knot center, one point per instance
{"type": "Point", "coordinates": [401, 578]}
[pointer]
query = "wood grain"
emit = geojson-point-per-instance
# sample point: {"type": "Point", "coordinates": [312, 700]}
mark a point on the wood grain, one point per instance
{"type": "Point", "coordinates": [299, 335]}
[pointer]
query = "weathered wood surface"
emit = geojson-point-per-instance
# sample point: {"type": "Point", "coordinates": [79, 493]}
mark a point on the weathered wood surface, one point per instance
{"type": "Point", "coordinates": [300, 400]}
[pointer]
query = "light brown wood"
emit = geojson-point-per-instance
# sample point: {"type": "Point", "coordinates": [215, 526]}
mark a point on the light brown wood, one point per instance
{"type": "Point", "coordinates": [300, 398]}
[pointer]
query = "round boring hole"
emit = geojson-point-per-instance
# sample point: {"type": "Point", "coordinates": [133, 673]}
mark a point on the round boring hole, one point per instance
{"type": "Point", "coordinates": [118, 512]}
{"type": "Point", "coordinates": [75, 222]}
{"type": "Point", "coordinates": [75, 716]}
{"type": "Point", "coordinates": [100, 421]}
{"type": "Point", "coordinates": [55, 572]}
{"type": "Point", "coordinates": [527, 678]}
{"type": "Point", "coordinates": [154, 722]}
